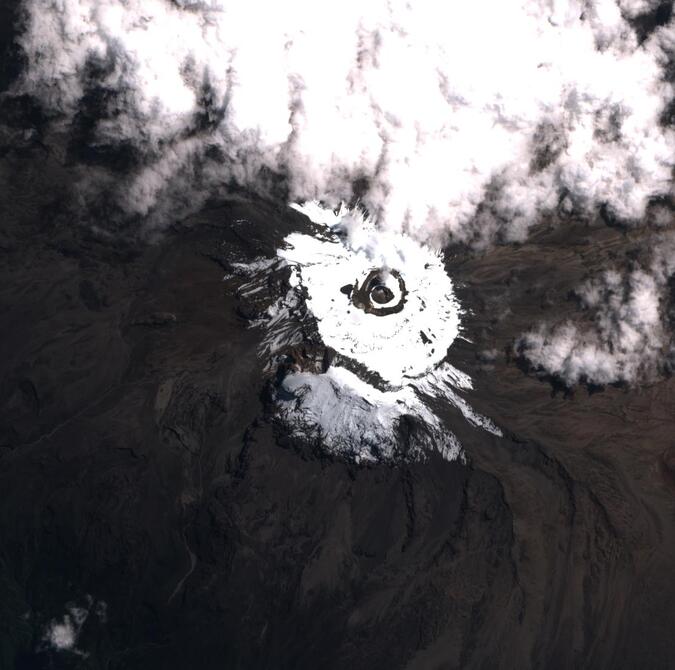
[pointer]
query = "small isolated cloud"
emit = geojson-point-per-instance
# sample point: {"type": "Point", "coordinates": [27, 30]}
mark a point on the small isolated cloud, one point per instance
{"type": "Point", "coordinates": [629, 339]}
{"type": "Point", "coordinates": [61, 634]}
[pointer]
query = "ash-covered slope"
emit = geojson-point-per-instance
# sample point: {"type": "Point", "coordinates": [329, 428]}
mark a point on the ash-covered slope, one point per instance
{"type": "Point", "coordinates": [144, 485]}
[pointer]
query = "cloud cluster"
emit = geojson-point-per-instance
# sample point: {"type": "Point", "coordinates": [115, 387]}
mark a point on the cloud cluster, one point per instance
{"type": "Point", "coordinates": [630, 339]}
{"type": "Point", "coordinates": [456, 120]}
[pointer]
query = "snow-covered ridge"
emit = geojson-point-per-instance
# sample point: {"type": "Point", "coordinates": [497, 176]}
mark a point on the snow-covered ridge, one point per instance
{"type": "Point", "coordinates": [322, 396]}
{"type": "Point", "coordinates": [355, 419]}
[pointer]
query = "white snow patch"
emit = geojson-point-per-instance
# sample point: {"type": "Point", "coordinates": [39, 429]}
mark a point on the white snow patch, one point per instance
{"type": "Point", "coordinates": [353, 418]}
{"type": "Point", "coordinates": [438, 384]}
{"type": "Point", "coordinates": [398, 346]}
{"type": "Point", "coordinates": [346, 414]}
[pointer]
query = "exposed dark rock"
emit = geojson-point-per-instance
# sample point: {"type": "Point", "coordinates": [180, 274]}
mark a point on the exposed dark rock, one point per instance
{"type": "Point", "coordinates": [138, 466]}
{"type": "Point", "coordinates": [155, 319]}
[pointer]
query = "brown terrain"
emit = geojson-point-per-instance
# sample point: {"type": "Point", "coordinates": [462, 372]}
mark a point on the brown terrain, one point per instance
{"type": "Point", "coordinates": [138, 469]}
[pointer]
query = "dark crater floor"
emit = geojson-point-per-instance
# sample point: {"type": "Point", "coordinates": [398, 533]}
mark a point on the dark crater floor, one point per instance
{"type": "Point", "coordinates": [137, 469]}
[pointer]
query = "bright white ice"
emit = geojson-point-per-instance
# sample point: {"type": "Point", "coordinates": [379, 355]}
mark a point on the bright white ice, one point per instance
{"type": "Point", "coordinates": [356, 419]}
{"type": "Point", "coordinates": [398, 346]}
{"type": "Point", "coordinates": [348, 415]}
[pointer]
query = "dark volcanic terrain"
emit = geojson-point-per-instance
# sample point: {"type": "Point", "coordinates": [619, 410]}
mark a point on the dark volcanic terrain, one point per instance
{"type": "Point", "coordinates": [141, 481]}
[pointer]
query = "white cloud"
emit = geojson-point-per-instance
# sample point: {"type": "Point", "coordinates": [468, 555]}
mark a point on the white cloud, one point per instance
{"type": "Point", "coordinates": [441, 106]}
{"type": "Point", "coordinates": [628, 341]}
{"type": "Point", "coordinates": [62, 634]}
